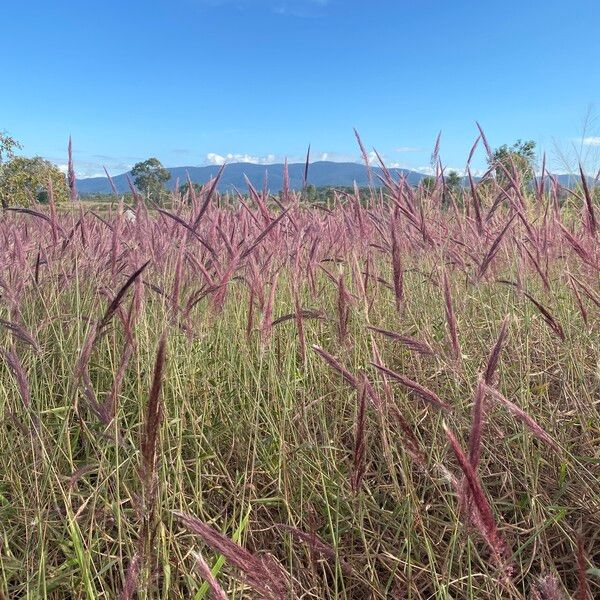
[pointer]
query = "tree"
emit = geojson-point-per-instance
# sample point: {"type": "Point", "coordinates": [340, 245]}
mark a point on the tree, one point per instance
{"type": "Point", "coordinates": [428, 184]}
{"type": "Point", "coordinates": [184, 190]}
{"type": "Point", "coordinates": [312, 193]}
{"type": "Point", "coordinates": [26, 180]}
{"type": "Point", "coordinates": [517, 160]}
{"type": "Point", "coordinates": [452, 185]}
{"type": "Point", "coordinates": [8, 145]}
{"type": "Point", "coordinates": [453, 180]}
{"type": "Point", "coordinates": [150, 177]}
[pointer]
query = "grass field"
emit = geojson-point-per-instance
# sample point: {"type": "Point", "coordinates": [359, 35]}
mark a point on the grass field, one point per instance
{"type": "Point", "coordinates": [392, 400]}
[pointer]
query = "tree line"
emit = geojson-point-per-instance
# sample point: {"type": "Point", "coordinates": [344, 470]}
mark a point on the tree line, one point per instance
{"type": "Point", "coordinates": [25, 181]}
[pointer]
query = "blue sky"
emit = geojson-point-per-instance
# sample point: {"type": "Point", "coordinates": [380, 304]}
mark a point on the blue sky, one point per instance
{"type": "Point", "coordinates": [195, 81]}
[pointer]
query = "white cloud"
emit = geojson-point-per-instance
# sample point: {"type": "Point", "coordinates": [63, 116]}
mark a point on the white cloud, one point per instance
{"type": "Point", "coordinates": [593, 140]}
{"type": "Point", "coordinates": [86, 168]}
{"type": "Point", "coordinates": [331, 157]}
{"type": "Point", "coordinates": [461, 171]}
{"type": "Point", "coordinates": [407, 149]}
{"type": "Point", "coordinates": [212, 158]}
{"type": "Point", "coordinates": [427, 170]}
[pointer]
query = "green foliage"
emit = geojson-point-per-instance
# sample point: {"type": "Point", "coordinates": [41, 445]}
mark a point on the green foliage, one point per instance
{"type": "Point", "coordinates": [518, 160]}
{"type": "Point", "coordinates": [311, 193]}
{"type": "Point", "coordinates": [184, 190]}
{"type": "Point", "coordinates": [150, 177]}
{"type": "Point", "coordinates": [105, 198]}
{"type": "Point", "coordinates": [25, 180]}
{"type": "Point", "coordinates": [260, 440]}
{"type": "Point", "coordinates": [327, 194]}
{"type": "Point", "coordinates": [8, 145]}
{"type": "Point", "coordinates": [428, 183]}
{"type": "Point", "coordinates": [452, 186]}
{"type": "Point", "coordinates": [453, 180]}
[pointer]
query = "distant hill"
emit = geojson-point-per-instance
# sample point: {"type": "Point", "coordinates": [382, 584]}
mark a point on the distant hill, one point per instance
{"type": "Point", "coordinates": [320, 174]}
{"type": "Point", "coordinates": [569, 181]}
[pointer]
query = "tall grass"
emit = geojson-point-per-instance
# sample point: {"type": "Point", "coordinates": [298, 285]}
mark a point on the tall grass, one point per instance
{"type": "Point", "coordinates": [241, 464]}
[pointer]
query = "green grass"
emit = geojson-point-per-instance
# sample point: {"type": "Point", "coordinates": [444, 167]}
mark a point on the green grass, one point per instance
{"type": "Point", "coordinates": [252, 437]}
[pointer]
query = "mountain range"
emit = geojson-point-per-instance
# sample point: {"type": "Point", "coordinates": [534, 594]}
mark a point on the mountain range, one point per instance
{"type": "Point", "coordinates": [320, 174]}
